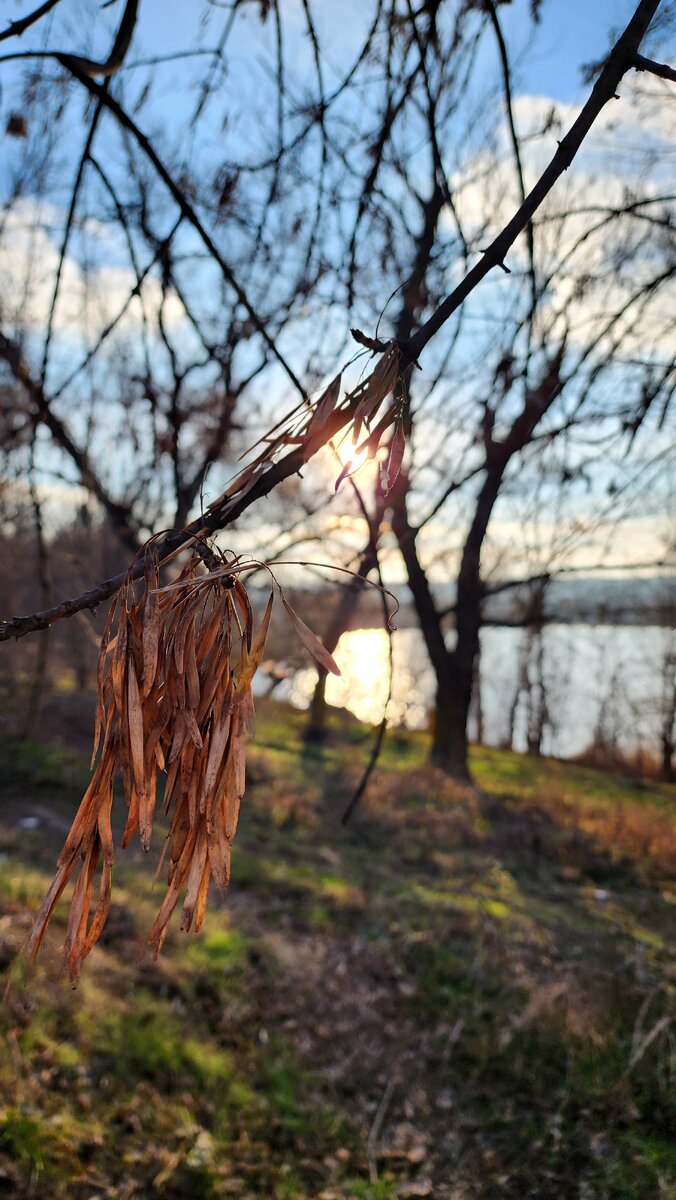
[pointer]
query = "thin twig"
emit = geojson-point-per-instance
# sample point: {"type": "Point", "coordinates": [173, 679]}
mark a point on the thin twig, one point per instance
{"type": "Point", "coordinates": [663, 70]}
{"type": "Point", "coordinates": [619, 61]}
{"type": "Point", "coordinates": [374, 1131]}
{"type": "Point", "coordinates": [16, 28]}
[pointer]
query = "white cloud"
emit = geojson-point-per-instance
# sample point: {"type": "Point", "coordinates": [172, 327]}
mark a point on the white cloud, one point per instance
{"type": "Point", "coordinates": [627, 156]}
{"type": "Point", "coordinates": [88, 301]}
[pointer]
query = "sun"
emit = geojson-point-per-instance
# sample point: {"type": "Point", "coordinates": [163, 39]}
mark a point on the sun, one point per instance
{"type": "Point", "coordinates": [351, 458]}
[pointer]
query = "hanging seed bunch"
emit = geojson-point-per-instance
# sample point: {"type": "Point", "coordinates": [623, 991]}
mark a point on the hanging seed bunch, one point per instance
{"type": "Point", "coordinates": [174, 697]}
{"type": "Point", "coordinates": [174, 690]}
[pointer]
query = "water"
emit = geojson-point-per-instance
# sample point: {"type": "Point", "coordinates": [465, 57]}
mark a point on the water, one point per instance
{"type": "Point", "coordinates": [599, 680]}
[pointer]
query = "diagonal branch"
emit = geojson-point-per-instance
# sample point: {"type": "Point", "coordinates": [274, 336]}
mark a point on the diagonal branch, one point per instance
{"type": "Point", "coordinates": [516, 149]}
{"type": "Point", "coordinates": [120, 46]}
{"type": "Point", "coordinates": [118, 515]}
{"type": "Point", "coordinates": [620, 60]}
{"type": "Point", "coordinates": [185, 207]}
{"type": "Point", "coordinates": [662, 70]}
{"type": "Point", "coordinates": [226, 511]}
{"type": "Point", "coordinates": [16, 28]}
{"type": "Point", "coordinates": [86, 153]}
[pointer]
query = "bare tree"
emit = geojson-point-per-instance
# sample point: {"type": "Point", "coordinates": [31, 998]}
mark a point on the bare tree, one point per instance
{"type": "Point", "coordinates": [574, 370]}
{"type": "Point", "coordinates": [540, 382]}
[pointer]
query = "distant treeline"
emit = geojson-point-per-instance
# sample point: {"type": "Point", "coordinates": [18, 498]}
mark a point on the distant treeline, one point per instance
{"type": "Point", "coordinates": [596, 601]}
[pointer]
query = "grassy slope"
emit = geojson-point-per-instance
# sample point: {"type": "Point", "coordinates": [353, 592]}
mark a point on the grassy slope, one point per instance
{"type": "Point", "coordinates": [460, 995]}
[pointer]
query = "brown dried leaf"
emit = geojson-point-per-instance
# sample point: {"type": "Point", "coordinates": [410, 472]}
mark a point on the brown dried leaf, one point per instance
{"type": "Point", "coordinates": [396, 457]}
{"type": "Point", "coordinates": [244, 604]}
{"type": "Point", "coordinates": [198, 865]}
{"type": "Point", "coordinates": [345, 471]}
{"type": "Point", "coordinates": [78, 915]}
{"type": "Point", "coordinates": [135, 719]}
{"type": "Point", "coordinates": [324, 407]}
{"type": "Point", "coordinates": [193, 727]}
{"type": "Point", "coordinates": [375, 389]}
{"type": "Point", "coordinates": [252, 659]}
{"type": "Point", "coordinates": [146, 810]}
{"type": "Point", "coordinates": [151, 632]}
{"type": "Point", "coordinates": [218, 847]}
{"type": "Point", "coordinates": [310, 640]}
{"type": "Point", "coordinates": [202, 898]}
{"type": "Point", "coordinates": [132, 819]}
{"type": "Point", "coordinates": [184, 629]}
{"type": "Point", "coordinates": [219, 737]}
{"type": "Point", "coordinates": [173, 893]}
{"type": "Point", "coordinates": [371, 443]}
{"type": "Point", "coordinates": [101, 676]}
{"type": "Point", "coordinates": [120, 660]}
{"type": "Point", "coordinates": [47, 907]}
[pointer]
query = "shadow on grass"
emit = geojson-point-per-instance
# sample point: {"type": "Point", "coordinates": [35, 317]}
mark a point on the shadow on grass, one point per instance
{"type": "Point", "coordinates": [462, 993]}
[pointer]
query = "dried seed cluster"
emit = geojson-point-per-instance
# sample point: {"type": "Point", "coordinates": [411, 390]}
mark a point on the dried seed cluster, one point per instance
{"type": "Point", "coordinates": [174, 695]}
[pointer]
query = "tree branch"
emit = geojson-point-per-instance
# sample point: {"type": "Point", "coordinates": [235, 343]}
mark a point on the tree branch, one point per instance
{"type": "Point", "coordinates": [118, 514]}
{"type": "Point", "coordinates": [662, 70]}
{"type": "Point", "coordinates": [72, 64]}
{"type": "Point", "coordinates": [120, 46]}
{"type": "Point", "coordinates": [620, 60]}
{"type": "Point", "coordinates": [16, 28]}
{"type": "Point", "coordinates": [227, 510]}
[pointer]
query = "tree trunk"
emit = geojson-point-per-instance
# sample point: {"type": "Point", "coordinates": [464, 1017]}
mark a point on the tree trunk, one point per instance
{"type": "Point", "coordinates": [449, 731]}
{"type": "Point", "coordinates": [454, 683]}
{"type": "Point", "coordinates": [477, 700]}
{"type": "Point", "coordinates": [668, 731]}
{"type": "Point", "coordinates": [668, 750]}
{"type": "Point", "coordinates": [39, 680]}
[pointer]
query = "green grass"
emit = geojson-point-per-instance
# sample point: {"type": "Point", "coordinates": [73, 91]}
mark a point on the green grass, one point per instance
{"type": "Point", "coordinates": [40, 767]}
{"type": "Point", "coordinates": [481, 978]}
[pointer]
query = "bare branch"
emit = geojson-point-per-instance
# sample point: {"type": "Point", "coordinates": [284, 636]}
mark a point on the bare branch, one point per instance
{"type": "Point", "coordinates": [662, 70]}
{"type": "Point", "coordinates": [118, 514]}
{"type": "Point", "coordinates": [619, 61]}
{"type": "Point", "coordinates": [66, 235]}
{"type": "Point", "coordinates": [184, 205]}
{"type": "Point", "coordinates": [120, 46]}
{"type": "Point", "coordinates": [16, 28]}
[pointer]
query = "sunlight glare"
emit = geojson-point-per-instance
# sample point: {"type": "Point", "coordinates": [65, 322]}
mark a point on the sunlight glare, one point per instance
{"type": "Point", "coordinates": [363, 657]}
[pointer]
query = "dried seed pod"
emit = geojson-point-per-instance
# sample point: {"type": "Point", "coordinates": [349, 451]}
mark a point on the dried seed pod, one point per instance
{"type": "Point", "coordinates": [174, 696]}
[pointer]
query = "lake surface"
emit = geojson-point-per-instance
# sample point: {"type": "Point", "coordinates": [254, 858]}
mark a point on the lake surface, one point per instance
{"type": "Point", "coordinates": [599, 679]}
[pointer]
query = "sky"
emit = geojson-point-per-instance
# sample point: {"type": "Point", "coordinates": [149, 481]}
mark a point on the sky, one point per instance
{"type": "Point", "coordinates": [548, 60]}
{"type": "Point", "coordinates": [571, 34]}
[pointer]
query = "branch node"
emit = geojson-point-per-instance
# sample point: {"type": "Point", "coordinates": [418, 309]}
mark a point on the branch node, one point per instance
{"type": "Point", "coordinates": [662, 70]}
{"type": "Point", "coordinates": [370, 343]}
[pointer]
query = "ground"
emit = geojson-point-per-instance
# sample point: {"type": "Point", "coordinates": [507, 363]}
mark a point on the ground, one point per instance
{"type": "Point", "coordinates": [464, 993]}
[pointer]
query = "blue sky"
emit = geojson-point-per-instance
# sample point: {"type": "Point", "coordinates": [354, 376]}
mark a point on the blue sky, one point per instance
{"type": "Point", "coordinates": [547, 63]}
{"type": "Point", "coordinates": [547, 59]}
{"type": "Point", "coordinates": [571, 33]}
